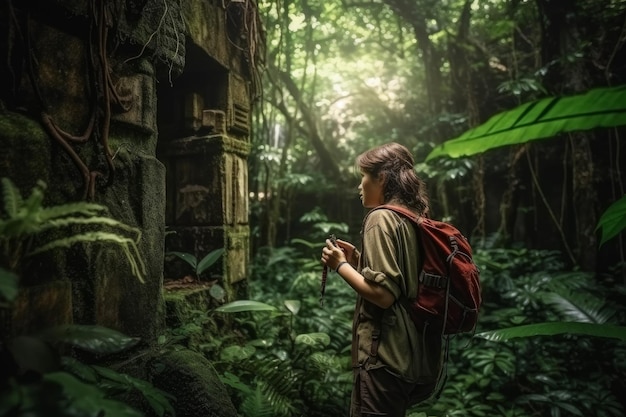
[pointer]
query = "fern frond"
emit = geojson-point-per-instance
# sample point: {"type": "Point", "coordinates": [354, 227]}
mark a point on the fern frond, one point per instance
{"type": "Point", "coordinates": [571, 281]}
{"type": "Point", "coordinates": [129, 247]}
{"type": "Point", "coordinates": [72, 209]}
{"type": "Point", "coordinates": [29, 214]}
{"type": "Point", "coordinates": [33, 203]}
{"type": "Point", "coordinates": [98, 221]}
{"type": "Point", "coordinates": [257, 405]}
{"type": "Point", "coordinates": [23, 215]}
{"type": "Point", "coordinates": [279, 396]}
{"type": "Point", "coordinates": [11, 196]}
{"type": "Point", "coordinates": [279, 383]}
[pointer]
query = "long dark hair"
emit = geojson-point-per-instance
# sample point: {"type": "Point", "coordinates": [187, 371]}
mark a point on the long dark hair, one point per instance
{"type": "Point", "coordinates": [402, 184]}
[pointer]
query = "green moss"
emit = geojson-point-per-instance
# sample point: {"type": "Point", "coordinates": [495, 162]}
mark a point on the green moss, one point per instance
{"type": "Point", "coordinates": [191, 378]}
{"type": "Point", "coordinates": [29, 149]}
{"type": "Point", "coordinates": [190, 306]}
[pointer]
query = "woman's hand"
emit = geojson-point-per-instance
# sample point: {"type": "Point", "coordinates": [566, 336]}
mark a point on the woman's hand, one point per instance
{"type": "Point", "coordinates": [352, 254]}
{"type": "Point", "coordinates": [332, 255]}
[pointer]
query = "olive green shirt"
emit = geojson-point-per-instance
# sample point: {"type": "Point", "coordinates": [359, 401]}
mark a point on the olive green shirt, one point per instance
{"type": "Point", "coordinates": [390, 257]}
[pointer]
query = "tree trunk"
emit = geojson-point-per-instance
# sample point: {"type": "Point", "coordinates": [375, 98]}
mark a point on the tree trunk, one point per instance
{"type": "Point", "coordinates": [417, 15]}
{"type": "Point", "coordinates": [560, 41]}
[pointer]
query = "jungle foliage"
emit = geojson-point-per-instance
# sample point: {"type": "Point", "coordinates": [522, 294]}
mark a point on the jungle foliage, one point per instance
{"type": "Point", "coordinates": [344, 76]}
{"type": "Point", "coordinates": [59, 370]}
{"type": "Point", "coordinates": [532, 91]}
{"type": "Point", "coordinates": [290, 356]}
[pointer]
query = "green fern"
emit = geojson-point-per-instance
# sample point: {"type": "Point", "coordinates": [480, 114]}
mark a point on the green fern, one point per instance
{"type": "Point", "coordinates": [11, 196]}
{"type": "Point", "coordinates": [72, 209]}
{"type": "Point", "coordinates": [280, 396]}
{"type": "Point", "coordinates": [26, 220]}
{"type": "Point", "coordinates": [257, 405]}
{"type": "Point", "coordinates": [84, 221]}
{"type": "Point", "coordinates": [128, 246]}
{"type": "Point", "coordinates": [276, 387]}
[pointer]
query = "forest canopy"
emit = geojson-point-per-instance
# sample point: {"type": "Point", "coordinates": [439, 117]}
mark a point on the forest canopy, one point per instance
{"type": "Point", "coordinates": [343, 76]}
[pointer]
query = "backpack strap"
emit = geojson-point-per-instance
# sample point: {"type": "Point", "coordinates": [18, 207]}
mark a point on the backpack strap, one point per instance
{"type": "Point", "coordinates": [374, 348]}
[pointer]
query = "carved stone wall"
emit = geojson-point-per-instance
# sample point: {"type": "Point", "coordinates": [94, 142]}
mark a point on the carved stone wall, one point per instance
{"type": "Point", "coordinates": [142, 106]}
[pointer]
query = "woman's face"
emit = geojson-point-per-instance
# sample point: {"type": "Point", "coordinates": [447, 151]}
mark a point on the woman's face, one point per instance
{"type": "Point", "coordinates": [371, 190]}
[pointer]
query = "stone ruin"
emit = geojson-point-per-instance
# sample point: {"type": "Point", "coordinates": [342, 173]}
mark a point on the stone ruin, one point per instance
{"type": "Point", "coordinates": [142, 106]}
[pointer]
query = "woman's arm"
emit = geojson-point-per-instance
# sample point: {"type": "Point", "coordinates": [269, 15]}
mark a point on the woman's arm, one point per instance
{"type": "Point", "coordinates": [372, 292]}
{"type": "Point", "coordinates": [335, 258]}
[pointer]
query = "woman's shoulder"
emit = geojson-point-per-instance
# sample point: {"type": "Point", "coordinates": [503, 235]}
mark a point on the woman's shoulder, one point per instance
{"type": "Point", "coordinates": [383, 216]}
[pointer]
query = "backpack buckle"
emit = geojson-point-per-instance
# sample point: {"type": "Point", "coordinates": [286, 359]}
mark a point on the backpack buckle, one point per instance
{"type": "Point", "coordinates": [432, 280]}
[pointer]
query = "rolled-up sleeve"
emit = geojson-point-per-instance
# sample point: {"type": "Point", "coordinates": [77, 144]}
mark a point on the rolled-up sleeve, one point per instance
{"type": "Point", "coordinates": [379, 258]}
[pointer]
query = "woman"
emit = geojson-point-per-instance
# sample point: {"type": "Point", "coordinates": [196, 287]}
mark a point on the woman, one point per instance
{"type": "Point", "coordinates": [394, 364]}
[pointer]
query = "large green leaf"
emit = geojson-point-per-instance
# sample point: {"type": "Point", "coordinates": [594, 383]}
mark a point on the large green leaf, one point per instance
{"type": "Point", "coordinates": [313, 339]}
{"type": "Point", "coordinates": [88, 400]}
{"type": "Point", "coordinates": [114, 381]}
{"type": "Point", "coordinates": [613, 220]}
{"type": "Point", "coordinates": [580, 307]}
{"type": "Point", "coordinates": [244, 305]}
{"type": "Point", "coordinates": [209, 260]}
{"type": "Point", "coordinates": [187, 257]}
{"type": "Point", "coordinates": [551, 329]}
{"type": "Point", "coordinates": [540, 119]}
{"type": "Point", "coordinates": [95, 339]}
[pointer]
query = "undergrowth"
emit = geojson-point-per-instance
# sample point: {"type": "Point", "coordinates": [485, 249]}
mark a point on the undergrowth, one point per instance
{"type": "Point", "coordinates": [293, 359]}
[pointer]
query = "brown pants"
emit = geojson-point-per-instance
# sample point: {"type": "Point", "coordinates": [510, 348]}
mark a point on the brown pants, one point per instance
{"type": "Point", "coordinates": [379, 393]}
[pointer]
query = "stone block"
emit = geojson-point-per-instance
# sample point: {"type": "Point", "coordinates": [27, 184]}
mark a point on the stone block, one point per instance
{"type": "Point", "coordinates": [138, 96]}
{"type": "Point", "coordinates": [42, 306]}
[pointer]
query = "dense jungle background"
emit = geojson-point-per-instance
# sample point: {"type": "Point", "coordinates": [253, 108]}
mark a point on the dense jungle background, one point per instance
{"type": "Point", "coordinates": [515, 111]}
{"type": "Point", "coordinates": [344, 76]}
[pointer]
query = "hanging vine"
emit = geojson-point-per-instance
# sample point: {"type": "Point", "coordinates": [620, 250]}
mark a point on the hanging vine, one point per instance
{"type": "Point", "coordinates": [244, 17]}
{"type": "Point", "coordinates": [102, 94]}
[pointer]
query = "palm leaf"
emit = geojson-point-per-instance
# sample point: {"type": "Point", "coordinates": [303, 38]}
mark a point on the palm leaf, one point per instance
{"type": "Point", "coordinates": [540, 119]}
{"type": "Point", "coordinates": [613, 220]}
{"type": "Point", "coordinates": [580, 307]}
{"type": "Point", "coordinates": [552, 329]}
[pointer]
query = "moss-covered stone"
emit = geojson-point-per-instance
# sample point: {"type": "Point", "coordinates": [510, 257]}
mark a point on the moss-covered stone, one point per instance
{"type": "Point", "coordinates": [191, 378]}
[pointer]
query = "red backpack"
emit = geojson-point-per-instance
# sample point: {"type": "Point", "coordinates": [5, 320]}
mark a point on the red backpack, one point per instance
{"type": "Point", "coordinates": [448, 294]}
